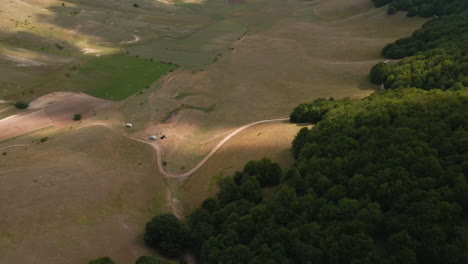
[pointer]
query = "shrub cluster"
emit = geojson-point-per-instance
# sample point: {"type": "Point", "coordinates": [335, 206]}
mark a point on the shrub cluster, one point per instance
{"type": "Point", "coordinates": [435, 57]}
{"type": "Point", "coordinates": [22, 105]}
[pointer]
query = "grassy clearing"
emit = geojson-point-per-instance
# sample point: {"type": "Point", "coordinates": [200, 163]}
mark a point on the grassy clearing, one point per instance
{"type": "Point", "coordinates": [200, 48]}
{"type": "Point", "coordinates": [268, 140]}
{"type": "Point", "coordinates": [119, 76]}
{"type": "Point", "coordinates": [95, 190]}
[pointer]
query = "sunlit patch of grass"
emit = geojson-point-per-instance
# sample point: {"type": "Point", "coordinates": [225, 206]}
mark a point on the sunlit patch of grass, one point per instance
{"type": "Point", "coordinates": [84, 220]}
{"type": "Point", "coordinates": [119, 76]}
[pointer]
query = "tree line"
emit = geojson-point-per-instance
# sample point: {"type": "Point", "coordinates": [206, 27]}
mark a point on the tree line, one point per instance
{"type": "Point", "coordinates": [379, 180]}
{"type": "Point", "coordinates": [435, 57]}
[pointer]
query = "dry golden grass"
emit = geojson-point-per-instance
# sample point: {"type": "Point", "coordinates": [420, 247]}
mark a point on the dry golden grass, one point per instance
{"type": "Point", "coordinates": [267, 140]}
{"type": "Point", "coordinates": [80, 195]}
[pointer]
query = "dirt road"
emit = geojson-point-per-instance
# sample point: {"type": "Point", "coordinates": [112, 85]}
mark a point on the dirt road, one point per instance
{"type": "Point", "coordinates": [221, 143]}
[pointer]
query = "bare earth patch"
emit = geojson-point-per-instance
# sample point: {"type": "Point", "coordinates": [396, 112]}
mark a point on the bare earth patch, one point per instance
{"type": "Point", "coordinates": [50, 110]}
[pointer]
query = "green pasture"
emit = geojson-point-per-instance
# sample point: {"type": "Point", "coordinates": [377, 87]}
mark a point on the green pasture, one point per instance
{"type": "Point", "coordinates": [119, 76]}
{"type": "Point", "coordinates": [194, 49]}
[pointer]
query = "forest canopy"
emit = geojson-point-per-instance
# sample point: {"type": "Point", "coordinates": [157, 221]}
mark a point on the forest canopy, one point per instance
{"type": "Point", "coordinates": [447, 33]}
{"type": "Point", "coordinates": [380, 180]}
{"type": "Point", "coordinates": [435, 57]}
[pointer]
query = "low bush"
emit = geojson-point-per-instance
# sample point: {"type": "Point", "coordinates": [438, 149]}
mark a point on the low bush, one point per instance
{"type": "Point", "coordinates": [77, 117]}
{"type": "Point", "coordinates": [22, 105]}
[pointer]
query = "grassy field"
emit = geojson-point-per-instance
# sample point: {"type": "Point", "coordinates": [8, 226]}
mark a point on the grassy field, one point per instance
{"type": "Point", "coordinates": [113, 77]}
{"type": "Point", "coordinates": [269, 71]}
{"type": "Point", "coordinates": [119, 76]}
{"type": "Point", "coordinates": [198, 49]}
{"type": "Point", "coordinates": [42, 40]}
{"type": "Point", "coordinates": [268, 140]}
{"type": "Point", "coordinates": [84, 193]}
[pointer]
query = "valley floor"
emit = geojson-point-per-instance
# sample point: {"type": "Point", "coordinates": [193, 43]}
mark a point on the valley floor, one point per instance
{"type": "Point", "coordinates": [88, 190]}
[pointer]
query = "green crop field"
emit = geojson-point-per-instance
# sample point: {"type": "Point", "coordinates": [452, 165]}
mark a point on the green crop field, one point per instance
{"type": "Point", "coordinates": [119, 76]}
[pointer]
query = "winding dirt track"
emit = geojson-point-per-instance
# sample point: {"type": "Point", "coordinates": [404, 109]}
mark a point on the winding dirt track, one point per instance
{"type": "Point", "coordinates": [194, 169]}
{"type": "Point", "coordinates": [158, 149]}
{"type": "Point", "coordinates": [135, 39]}
{"type": "Point", "coordinates": [221, 143]}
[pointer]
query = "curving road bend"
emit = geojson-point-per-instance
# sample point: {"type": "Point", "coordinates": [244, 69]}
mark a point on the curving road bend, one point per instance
{"type": "Point", "coordinates": [135, 39]}
{"type": "Point", "coordinates": [158, 149]}
{"type": "Point", "coordinates": [198, 166]}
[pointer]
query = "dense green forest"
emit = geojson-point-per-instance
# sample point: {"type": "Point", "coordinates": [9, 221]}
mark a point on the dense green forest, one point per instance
{"type": "Point", "coordinates": [448, 32]}
{"type": "Point", "coordinates": [315, 111]}
{"type": "Point", "coordinates": [379, 180]}
{"type": "Point", "coordinates": [439, 57]}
